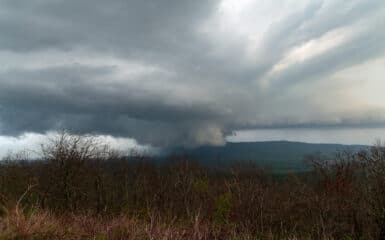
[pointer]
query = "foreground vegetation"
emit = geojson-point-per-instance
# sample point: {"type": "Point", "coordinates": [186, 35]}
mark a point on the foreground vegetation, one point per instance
{"type": "Point", "coordinates": [79, 189]}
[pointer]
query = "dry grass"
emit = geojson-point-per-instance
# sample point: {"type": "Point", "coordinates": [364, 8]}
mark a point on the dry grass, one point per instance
{"type": "Point", "coordinates": [39, 225]}
{"type": "Point", "coordinates": [44, 225]}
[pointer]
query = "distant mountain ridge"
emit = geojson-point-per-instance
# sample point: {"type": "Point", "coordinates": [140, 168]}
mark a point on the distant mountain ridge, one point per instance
{"type": "Point", "coordinates": [275, 155]}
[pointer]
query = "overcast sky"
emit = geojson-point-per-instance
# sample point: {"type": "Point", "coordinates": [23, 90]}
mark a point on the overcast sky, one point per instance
{"type": "Point", "coordinates": [172, 72]}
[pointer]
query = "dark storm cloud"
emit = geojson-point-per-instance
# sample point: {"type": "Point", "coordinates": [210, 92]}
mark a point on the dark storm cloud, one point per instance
{"type": "Point", "coordinates": [61, 97]}
{"type": "Point", "coordinates": [181, 71]}
{"type": "Point", "coordinates": [116, 23]}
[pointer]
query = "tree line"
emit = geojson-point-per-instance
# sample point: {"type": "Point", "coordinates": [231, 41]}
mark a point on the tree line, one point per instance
{"type": "Point", "coordinates": [341, 198]}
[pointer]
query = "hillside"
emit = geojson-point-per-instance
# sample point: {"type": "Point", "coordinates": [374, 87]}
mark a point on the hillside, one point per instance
{"type": "Point", "coordinates": [274, 155]}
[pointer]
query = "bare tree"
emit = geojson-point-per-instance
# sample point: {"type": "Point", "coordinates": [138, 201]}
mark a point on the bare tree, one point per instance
{"type": "Point", "coordinates": [69, 154]}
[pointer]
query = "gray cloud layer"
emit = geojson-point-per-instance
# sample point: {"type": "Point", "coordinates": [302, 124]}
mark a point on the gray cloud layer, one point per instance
{"type": "Point", "coordinates": [189, 72]}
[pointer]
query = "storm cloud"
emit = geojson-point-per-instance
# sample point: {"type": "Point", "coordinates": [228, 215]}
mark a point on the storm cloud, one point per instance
{"type": "Point", "coordinates": [182, 72]}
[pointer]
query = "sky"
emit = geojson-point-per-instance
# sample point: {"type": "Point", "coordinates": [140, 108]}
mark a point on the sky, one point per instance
{"type": "Point", "coordinates": [181, 72]}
